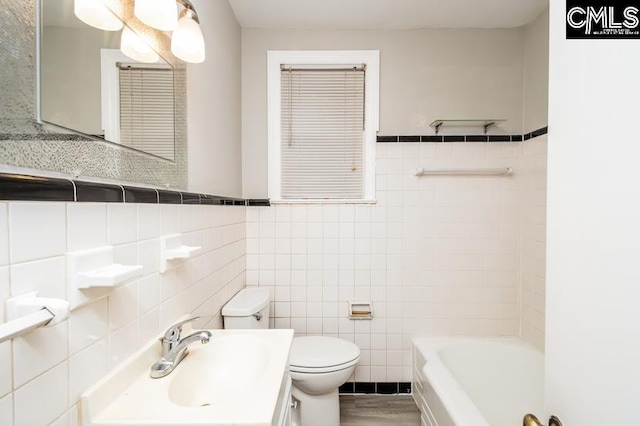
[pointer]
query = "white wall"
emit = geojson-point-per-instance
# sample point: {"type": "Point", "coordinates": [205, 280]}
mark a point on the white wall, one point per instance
{"type": "Point", "coordinates": [43, 373]}
{"type": "Point", "coordinates": [71, 64]}
{"type": "Point", "coordinates": [213, 102]}
{"type": "Point", "coordinates": [593, 238]}
{"type": "Point", "coordinates": [533, 193]}
{"type": "Point", "coordinates": [424, 74]}
{"type": "Point", "coordinates": [536, 73]}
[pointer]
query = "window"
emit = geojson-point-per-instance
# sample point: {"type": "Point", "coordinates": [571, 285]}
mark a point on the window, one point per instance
{"type": "Point", "coordinates": [146, 109]}
{"type": "Point", "coordinates": [138, 104]}
{"type": "Point", "coordinates": [323, 116]}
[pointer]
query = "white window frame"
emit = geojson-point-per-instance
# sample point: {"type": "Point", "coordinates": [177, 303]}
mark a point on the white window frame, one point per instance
{"type": "Point", "coordinates": [110, 80]}
{"type": "Point", "coordinates": [371, 59]}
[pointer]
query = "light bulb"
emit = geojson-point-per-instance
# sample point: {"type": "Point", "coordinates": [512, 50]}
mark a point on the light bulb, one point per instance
{"type": "Point", "coordinates": [159, 14]}
{"type": "Point", "coordinates": [97, 14]}
{"type": "Point", "coordinates": [136, 48]}
{"type": "Point", "coordinates": [187, 42]}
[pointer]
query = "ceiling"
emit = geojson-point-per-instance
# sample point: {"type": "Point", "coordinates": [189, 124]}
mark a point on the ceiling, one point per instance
{"type": "Point", "coordinates": [385, 14]}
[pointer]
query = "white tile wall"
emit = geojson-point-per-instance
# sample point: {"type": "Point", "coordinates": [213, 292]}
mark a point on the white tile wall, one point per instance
{"type": "Point", "coordinates": [6, 409]}
{"type": "Point", "coordinates": [5, 369]}
{"type": "Point", "coordinates": [436, 255]}
{"type": "Point", "coordinates": [122, 223]}
{"type": "Point", "coordinates": [86, 226]}
{"type": "Point", "coordinates": [4, 236]}
{"type": "Point", "coordinates": [533, 262]}
{"type": "Point", "coordinates": [36, 230]}
{"type": "Point", "coordinates": [51, 393]}
{"type": "Point", "coordinates": [86, 367]}
{"type": "Point", "coordinates": [29, 276]}
{"type": "Point", "coordinates": [52, 366]}
{"type": "Point", "coordinates": [38, 351]}
{"type": "Point", "coordinates": [87, 325]}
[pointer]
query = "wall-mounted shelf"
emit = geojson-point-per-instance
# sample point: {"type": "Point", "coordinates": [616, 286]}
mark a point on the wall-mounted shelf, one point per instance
{"type": "Point", "coordinates": [28, 312]}
{"type": "Point", "coordinates": [109, 276]}
{"type": "Point", "coordinates": [172, 249]}
{"type": "Point", "coordinates": [92, 274]}
{"type": "Point", "coordinates": [485, 123]}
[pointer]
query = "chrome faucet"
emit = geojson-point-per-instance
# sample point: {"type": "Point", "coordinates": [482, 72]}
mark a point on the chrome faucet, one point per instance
{"type": "Point", "coordinates": [175, 348]}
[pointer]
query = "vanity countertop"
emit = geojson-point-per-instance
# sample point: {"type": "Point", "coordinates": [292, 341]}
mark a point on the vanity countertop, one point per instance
{"type": "Point", "coordinates": [234, 379]}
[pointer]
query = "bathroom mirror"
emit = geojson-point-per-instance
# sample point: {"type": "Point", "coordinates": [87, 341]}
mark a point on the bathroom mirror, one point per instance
{"type": "Point", "coordinates": [88, 86]}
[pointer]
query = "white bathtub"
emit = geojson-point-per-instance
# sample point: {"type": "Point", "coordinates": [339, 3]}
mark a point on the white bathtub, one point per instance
{"type": "Point", "coordinates": [476, 381]}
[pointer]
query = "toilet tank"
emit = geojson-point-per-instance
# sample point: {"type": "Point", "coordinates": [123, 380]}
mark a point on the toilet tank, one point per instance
{"type": "Point", "coordinates": [249, 308]}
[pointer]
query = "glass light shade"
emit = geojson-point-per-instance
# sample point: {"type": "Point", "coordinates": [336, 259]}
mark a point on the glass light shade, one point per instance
{"type": "Point", "coordinates": [159, 14]}
{"type": "Point", "coordinates": [134, 47]}
{"type": "Point", "coordinates": [97, 14]}
{"type": "Point", "coordinates": [187, 42]}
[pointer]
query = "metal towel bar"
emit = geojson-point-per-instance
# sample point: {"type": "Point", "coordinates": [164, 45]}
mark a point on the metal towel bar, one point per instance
{"type": "Point", "coordinates": [16, 327]}
{"type": "Point", "coordinates": [28, 312]}
{"type": "Point", "coordinates": [466, 172]}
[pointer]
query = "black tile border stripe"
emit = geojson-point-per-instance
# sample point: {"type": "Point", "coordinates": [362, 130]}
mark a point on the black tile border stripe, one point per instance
{"type": "Point", "coordinates": [140, 195]}
{"type": "Point", "coordinates": [473, 138]}
{"type": "Point", "coordinates": [408, 138]}
{"type": "Point", "coordinates": [382, 388]}
{"type": "Point", "coordinates": [190, 198]}
{"type": "Point", "coordinates": [169, 197]}
{"type": "Point", "coordinates": [500, 138]}
{"type": "Point", "coordinates": [211, 200]}
{"type": "Point", "coordinates": [387, 138]}
{"type": "Point", "coordinates": [19, 187]}
{"type": "Point", "coordinates": [35, 188]}
{"type": "Point", "coordinates": [98, 192]}
{"type": "Point", "coordinates": [464, 138]}
{"type": "Point", "coordinates": [256, 202]}
{"type": "Point", "coordinates": [540, 132]}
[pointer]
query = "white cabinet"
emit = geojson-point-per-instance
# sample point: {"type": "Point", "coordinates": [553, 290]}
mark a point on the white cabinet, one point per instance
{"type": "Point", "coordinates": [285, 409]}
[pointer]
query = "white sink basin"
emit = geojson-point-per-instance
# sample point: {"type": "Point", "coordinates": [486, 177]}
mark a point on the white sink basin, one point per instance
{"type": "Point", "coordinates": [219, 370]}
{"type": "Point", "coordinates": [234, 379]}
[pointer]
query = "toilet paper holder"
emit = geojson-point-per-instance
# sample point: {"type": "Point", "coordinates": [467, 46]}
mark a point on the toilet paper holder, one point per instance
{"type": "Point", "coordinates": [360, 310]}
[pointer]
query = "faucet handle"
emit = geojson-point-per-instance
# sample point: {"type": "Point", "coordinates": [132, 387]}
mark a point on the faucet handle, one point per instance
{"type": "Point", "coordinates": [172, 334]}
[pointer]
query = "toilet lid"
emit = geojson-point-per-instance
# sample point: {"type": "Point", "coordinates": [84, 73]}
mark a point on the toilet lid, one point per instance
{"type": "Point", "coordinates": [322, 351]}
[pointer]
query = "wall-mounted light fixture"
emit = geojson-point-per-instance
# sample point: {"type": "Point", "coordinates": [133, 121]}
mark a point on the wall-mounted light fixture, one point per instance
{"type": "Point", "coordinates": [97, 14]}
{"type": "Point", "coordinates": [159, 14]}
{"type": "Point", "coordinates": [187, 42]}
{"type": "Point", "coordinates": [136, 48]}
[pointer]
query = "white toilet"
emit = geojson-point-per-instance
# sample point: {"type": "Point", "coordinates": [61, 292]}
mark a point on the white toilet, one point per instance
{"type": "Point", "coordinates": [319, 364]}
{"type": "Point", "coordinates": [249, 308]}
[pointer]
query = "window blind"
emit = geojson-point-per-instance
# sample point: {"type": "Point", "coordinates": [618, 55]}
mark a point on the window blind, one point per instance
{"type": "Point", "coordinates": [146, 110]}
{"type": "Point", "coordinates": [322, 128]}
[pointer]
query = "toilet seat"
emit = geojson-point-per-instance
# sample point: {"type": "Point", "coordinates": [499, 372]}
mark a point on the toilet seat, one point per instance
{"type": "Point", "coordinates": [322, 354]}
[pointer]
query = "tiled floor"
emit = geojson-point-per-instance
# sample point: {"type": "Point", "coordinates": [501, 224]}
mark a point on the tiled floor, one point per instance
{"type": "Point", "coordinates": [378, 410]}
